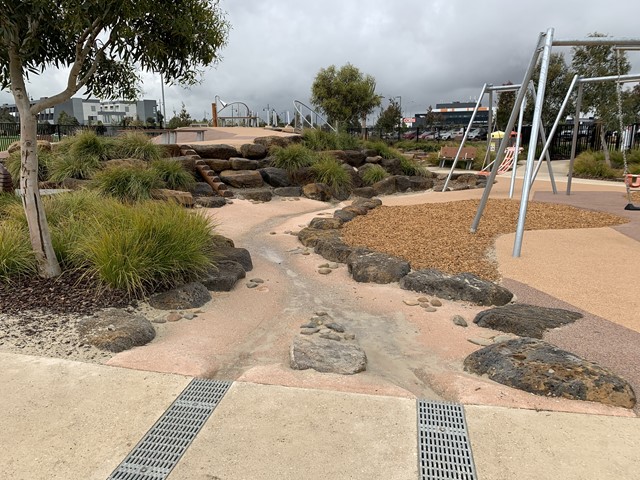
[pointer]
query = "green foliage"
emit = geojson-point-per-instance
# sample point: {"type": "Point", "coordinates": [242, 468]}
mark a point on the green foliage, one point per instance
{"type": "Point", "coordinates": [592, 164]}
{"type": "Point", "coordinates": [45, 158]}
{"type": "Point", "coordinates": [180, 119]}
{"type": "Point", "coordinates": [374, 174]}
{"type": "Point", "coordinates": [506, 100]}
{"type": "Point", "coordinates": [65, 119]}
{"type": "Point", "coordinates": [6, 200]}
{"type": "Point", "coordinates": [173, 174]}
{"type": "Point", "coordinates": [71, 166]}
{"type": "Point", "coordinates": [345, 95]}
{"type": "Point", "coordinates": [16, 257]}
{"type": "Point", "coordinates": [384, 150]}
{"type": "Point", "coordinates": [410, 167]}
{"type": "Point", "coordinates": [330, 171]}
{"type": "Point", "coordinates": [85, 144]}
{"type": "Point", "coordinates": [390, 117]}
{"type": "Point", "coordinates": [293, 157]}
{"type": "Point", "coordinates": [319, 140]}
{"type": "Point", "coordinates": [559, 77]}
{"type": "Point", "coordinates": [425, 146]}
{"type": "Point", "coordinates": [127, 183]}
{"type": "Point", "coordinates": [149, 245]}
{"type": "Point", "coordinates": [136, 145]}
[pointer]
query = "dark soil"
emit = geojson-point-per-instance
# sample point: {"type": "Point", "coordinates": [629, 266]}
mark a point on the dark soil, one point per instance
{"type": "Point", "coordinates": [68, 293]}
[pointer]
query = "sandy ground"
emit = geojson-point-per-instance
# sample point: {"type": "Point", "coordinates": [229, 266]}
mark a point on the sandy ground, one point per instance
{"type": "Point", "coordinates": [245, 334]}
{"type": "Point", "coordinates": [234, 136]}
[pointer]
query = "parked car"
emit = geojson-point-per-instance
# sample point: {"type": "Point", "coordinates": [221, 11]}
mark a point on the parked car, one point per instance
{"type": "Point", "coordinates": [477, 134]}
{"type": "Point", "coordinates": [447, 135]}
{"type": "Point", "coordinates": [428, 135]}
{"type": "Point", "coordinates": [410, 135]}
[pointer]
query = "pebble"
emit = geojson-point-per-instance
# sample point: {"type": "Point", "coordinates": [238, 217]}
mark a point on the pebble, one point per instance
{"type": "Point", "coordinates": [251, 285]}
{"type": "Point", "coordinates": [336, 327]}
{"type": "Point", "coordinates": [331, 336]}
{"type": "Point", "coordinates": [257, 280]}
{"type": "Point", "coordinates": [173, 317]}
{"type": "Point", "coordinates": [189, 316]}
{"type": "Point", "coordinates": [322, 314]}
{"type": "Point", "coordinates": [308, 325]}
{"type": "Point", "coordinates": [333, 265]}
{"type": "Point", "coordinates": [458, 320]}
{"type": "Point", "coordinates": [325, 330]}
{"type": "Point", "coordinates": [318, 320]}
{"type": "Point", "coordinates": [483, 342]}
{"type": "Point", "coordinates": [308, 331]}
{"type": "Point", "coordinates": [503, 338]}
{"type": "Point", "coordinates": [430, 309]}
{"type": "Point", "coordinates": [306, 252]}
{"type": "Point", "coordinates": [324, 271]}
{"type": "Point", "coordinates": [349, 336]}
{"type": "Point", "coordinates": [436, 302]}
{"type": "Point", "coordinates": [411, 303]}
{"type": "Point", "coordinates": [423, 299]}
{"type": "Point", "coordinates": [272, 233]}
{"type": "Point", "coordinates": [324, 265]}
{"type": "Point", "coordinates": [159, 320]}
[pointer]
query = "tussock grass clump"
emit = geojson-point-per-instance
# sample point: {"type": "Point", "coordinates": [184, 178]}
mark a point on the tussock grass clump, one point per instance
{"type": "Point", "coordinates": [173, 174]}
{"type": "Point", "coordinates": [85, 144]}
{"type": "Point", "coordinates": [591, 164]}
{"type": "Point", "coordinates": [293, 157]}
{"type": "Point", "coordinates": [16, 258]}
{"type": "Point", "coordinates": [319, 140]}
{"type": "Point", "coordinates": [145, 246]}
{"type": "Point", "coordinates": [127, 184]}
{"type": "Point", "coordinates": [13, 163]}
{"type": "Point", "coordinates": [384, 150]}
{"type": "Point", "coordinates": [71, 166]}
{"type": "Point", "coordinates": [330, 171]}
{"type": "Point", "coordinates": [136, 145]}
{"type": "Point", "coordinates": [374, 174]}
{"type": "Point", "coordinates": [410, 167]}
{"type": "Point", "coordinates": [6, 201]}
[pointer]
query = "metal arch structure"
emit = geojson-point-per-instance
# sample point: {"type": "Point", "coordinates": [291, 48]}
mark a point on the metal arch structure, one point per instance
{"type": "Point", "coordinates": [541, 52]}
{"type": "Point", "coordinates": [298, 105]}
{"type": "Point", "coordinates": [216, 112]}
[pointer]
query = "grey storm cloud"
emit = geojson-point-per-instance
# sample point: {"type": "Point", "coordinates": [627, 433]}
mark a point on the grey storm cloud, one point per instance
{"type": "Point", "coordinates": [424, 51]}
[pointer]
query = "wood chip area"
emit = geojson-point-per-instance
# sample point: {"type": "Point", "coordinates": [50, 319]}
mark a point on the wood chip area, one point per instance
{"type": "Point", "coordinates": [436, 235]}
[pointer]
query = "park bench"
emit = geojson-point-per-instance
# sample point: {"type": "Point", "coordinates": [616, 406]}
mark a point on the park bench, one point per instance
{"type": "Point", "coordinates": [448, 154]}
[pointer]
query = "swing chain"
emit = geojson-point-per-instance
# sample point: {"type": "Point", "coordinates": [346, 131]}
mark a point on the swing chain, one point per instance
{"type": "Point", "coordinates": [621, 123]}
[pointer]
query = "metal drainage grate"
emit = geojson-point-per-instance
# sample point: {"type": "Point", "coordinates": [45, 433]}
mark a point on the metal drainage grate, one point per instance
{"type": "Point", "coordinates": [443, 444]}
{"type": "Point", "coordinates": [160, 449]}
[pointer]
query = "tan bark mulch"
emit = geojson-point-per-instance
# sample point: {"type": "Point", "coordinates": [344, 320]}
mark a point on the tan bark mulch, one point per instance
{"type": "Point", "coordinates": [436, 235]}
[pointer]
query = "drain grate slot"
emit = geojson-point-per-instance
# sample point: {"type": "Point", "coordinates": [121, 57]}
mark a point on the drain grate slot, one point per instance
{"type": "Point", "coordinates": [444, 450]}
{"type": "Point", "coordinates": [160, 449]}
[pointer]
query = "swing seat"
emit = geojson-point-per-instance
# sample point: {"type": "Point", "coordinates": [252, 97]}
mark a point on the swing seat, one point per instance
{"type": "Point", "coordinates": [632, 180]}
{"type": "Point", "coordinates": [507, 162]}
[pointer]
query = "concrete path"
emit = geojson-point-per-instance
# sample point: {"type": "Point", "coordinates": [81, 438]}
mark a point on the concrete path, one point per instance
{"type": "Point", "coordinates": [68, 420]}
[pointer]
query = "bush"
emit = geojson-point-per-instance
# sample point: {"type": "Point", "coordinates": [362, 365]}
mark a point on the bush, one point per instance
{"type": "Point", "coordinates": [330, 171]}
{"type": "Point", "coordinates": [410, 167]}
{"type": "Point", "coordinates": [16, 257]}
{"type": "Point", "coordinates": [293, 157]}
{"type": "Point", "coordinates": [374, 174]}
{"type": "Point", "coordinates": [384, 150]}
{"type": "Point", "coordinates": [127, 184]}
{"type": "Point", "coordinates": [13, 163]}
{"type": "Point", "coordinates": [591, 164]}
{"type": "Point", "coordinates": [173, 174]}
{"type": "Point", "coordinates": [136, 145]}
{"type": "Point", "coordinates": [6, 201]}
{"type": "Point", "coordinates": [149, 245]}
{"type": "Point", "coordinates": [66, 166]}
{"type": "Point", "coordinates": [85, 144]}
{"type": "Point", "coordinates": [319, 140]}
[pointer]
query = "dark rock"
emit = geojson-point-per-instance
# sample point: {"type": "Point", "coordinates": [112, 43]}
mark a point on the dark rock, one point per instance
{"type": "Point", "coordinates": [211, 202]}
{"type": "Point", "coordinates": [327, 356]}
{"type": "Point", "coordinates": [181, 198]}
{"type": "Point", "coordinates": [468, 179]}
{"type": "Point", "coordinates": [273, 140]}
{"type": "Point", "coordinates": [188, 162]}
{"type": "Point", "coordinates": [309, 237]}
{"type": "Point", "coordinates": [220, 241]}
{"type": "Point", "coordinates": [317, 191]}
{"type": "Point", "coordinates": [242, 178]}
{"type": "Point", "coordinates": [392, 165]}
{"type": "Point", "coordinates": [364, 192]}
{"type": "Point", "coordinates": [459, 320]}
{"type": "Point", "coordinates": [339, 155]}
{"type": "Point", "coordinates": [375, 158]}
{"type": "Point", "coordinates": [243, 164]}
{"type": "Point", "coordinates": [321, 223]}
{"type": "Point", "coordinates": [525, 320]}
{"type": "Point", "coordinates": [355, 158]}
{"type": "Point", "coordinates": [369, 152]}
{"type": "Point", "coordinates": [368, 203]}
{"type": "Point", "coordinates": [344, 215]}
{"type": "Point", "coordinates": [215, 151]}
{"type": "Point", "coordinates": [464, 286]}
{"type": "Point", "coordinates": [331, 336]}
{"type": "Point", "coordinates": [403, 183]}
{"type": "Point", "coordinates": [224, 276]}
{"type": "Point", "coordinates": [240, 255]}
{"type": "Point", "coordinates": [116, 330]}
{"type": "Point", "coordinates": [202, 189]}
{"type": "Point", "coordinates": [419, 183]}
{"type": "Point", "coordinates": [357, 209]}
{"type": "Point", "coordinates": [257, 195]}
{"type": "Point", "coordinates": [288, 191]}
{"type": "Point", "coordinates": [386, 186]}
{"type": "Point", "coordinates": [276, 177]}
{"type": "Point", "coordinates": [336, 327]}
{"type": "Point", "coordinates": [374, 267]}
{"type": "Point", "coordinates": [356, 181]}
{"type": "Point", "coordinates": [192, 295]}
{"type": "Point", "coordinates": [253, 151]}
{"type": "Point", "coordinates": [218, 165]}
{"type": "Point", "coordinates": [543, 369]}
{"type": "Point", "coordinates": [333, 249]}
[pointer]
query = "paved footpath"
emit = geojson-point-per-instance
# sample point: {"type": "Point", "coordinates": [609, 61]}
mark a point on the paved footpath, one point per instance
{"type": "Point", "coordinates": [68, 420]}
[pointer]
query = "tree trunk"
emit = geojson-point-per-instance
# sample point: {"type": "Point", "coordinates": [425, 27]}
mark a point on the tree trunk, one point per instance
{"type": "Point", "coordinates": [39, 234]}
{"type": "Point", "coordinates": [605, 146]}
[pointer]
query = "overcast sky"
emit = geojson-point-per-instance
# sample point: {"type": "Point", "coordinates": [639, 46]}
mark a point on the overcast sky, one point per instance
{"type": "Point", "coordinates": [426, 51]}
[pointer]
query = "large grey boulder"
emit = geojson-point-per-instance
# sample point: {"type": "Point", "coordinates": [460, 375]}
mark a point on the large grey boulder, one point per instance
{"type": "Point", "coordinates": [278, 141]}
{"type": "Point", "coordinates": [310, 237]}
{"type": "Point", "coordinates": [202, 189]}
{"type": "Point", "coordinates": [525, 320]}
{"type": "Point", "coordinates": [386, 186]}
{"type": "Point", "coordinates": [317, 191]}
{"type": "Point", "coordinates": [355, 158]}
{"type": "Point", "coordinates": [333, 249]}
{"type": "Point", "coordinates": [243, 164]}
{"type": "Point", "coordinates": [253, 151]}
{"type": "Point", "coordinates": [242, 178]}
{"type": "Point", "coordinates": [191, 295]}
{"type": "Point", "coordinates": [323, 223]}
{"type": "Point", "coordinates": [215, 151]}
{"type": "Point", "coordinates": [288, 191]}
{"type": "Point", "coordinates": [373, 267]}
{"type": "Point", "coordinates": [327, 356]}
{"type": "Point", "coordinates": [235, 254]}
{"type": "Point", "coordinates": [463, 286]}
{"type": "Point", "coordinates": [116, 330]}
{"type": "Point", "coordinates": [276, 177]}
{"type": "Point", "coordinates": [540, 368]}
{"type": "Point", "coordinates": [224, 276]}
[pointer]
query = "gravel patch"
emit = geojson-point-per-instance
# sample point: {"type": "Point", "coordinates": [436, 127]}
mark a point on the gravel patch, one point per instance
{"type": "Point", "coordinates": [436, 235]}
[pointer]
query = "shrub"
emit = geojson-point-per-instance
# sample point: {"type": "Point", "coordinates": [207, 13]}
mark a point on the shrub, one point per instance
{"type": "Point", "coordinates": [85, 144]}
{"type": "Point", "coordinates": [330, 171]}
{"type": "Point", "coordinates": [384, 150]}
{"type": "Point", "coordinates": [66, 166]}
{"type": "Point", "coordinates": [410, 167]}
{"type": "Point", "coordinates": [13, 163]}
{"type": "Point", "coordinates": [127, 184]}
{"type": "Point", "coordinates": [374, 174]}
{"type": "Point", "coordinates": [6, 201]}
{"type": "Point", "coordinates": [16, 257]}
{"type": "Point", "coordinates": [293, 157]}
{"type": "Point", "coordinates": [591, 164]}
{"type": "Point", "coordinates": [173, 174]}
{"type": "Point", "coordinates": [318, 140]}
{"type": "Point", "coordinates": [136, 145]}
{"type": "Point", "coordinates": [142, 247]}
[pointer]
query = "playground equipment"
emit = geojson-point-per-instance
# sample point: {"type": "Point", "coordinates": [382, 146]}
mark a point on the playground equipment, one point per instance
{"type": "Point", "coordinates": [249, 119]}
{"type": "Point", "coordinates": [305, 115]}
{"type": "Point", "coordinates": [542, 52]}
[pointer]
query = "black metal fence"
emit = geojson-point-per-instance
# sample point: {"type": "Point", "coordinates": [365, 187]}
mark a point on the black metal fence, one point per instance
{"type": "Point", "coordinates": [589, 138]}
{"type": "Point", "coordinates": [10, 132]}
